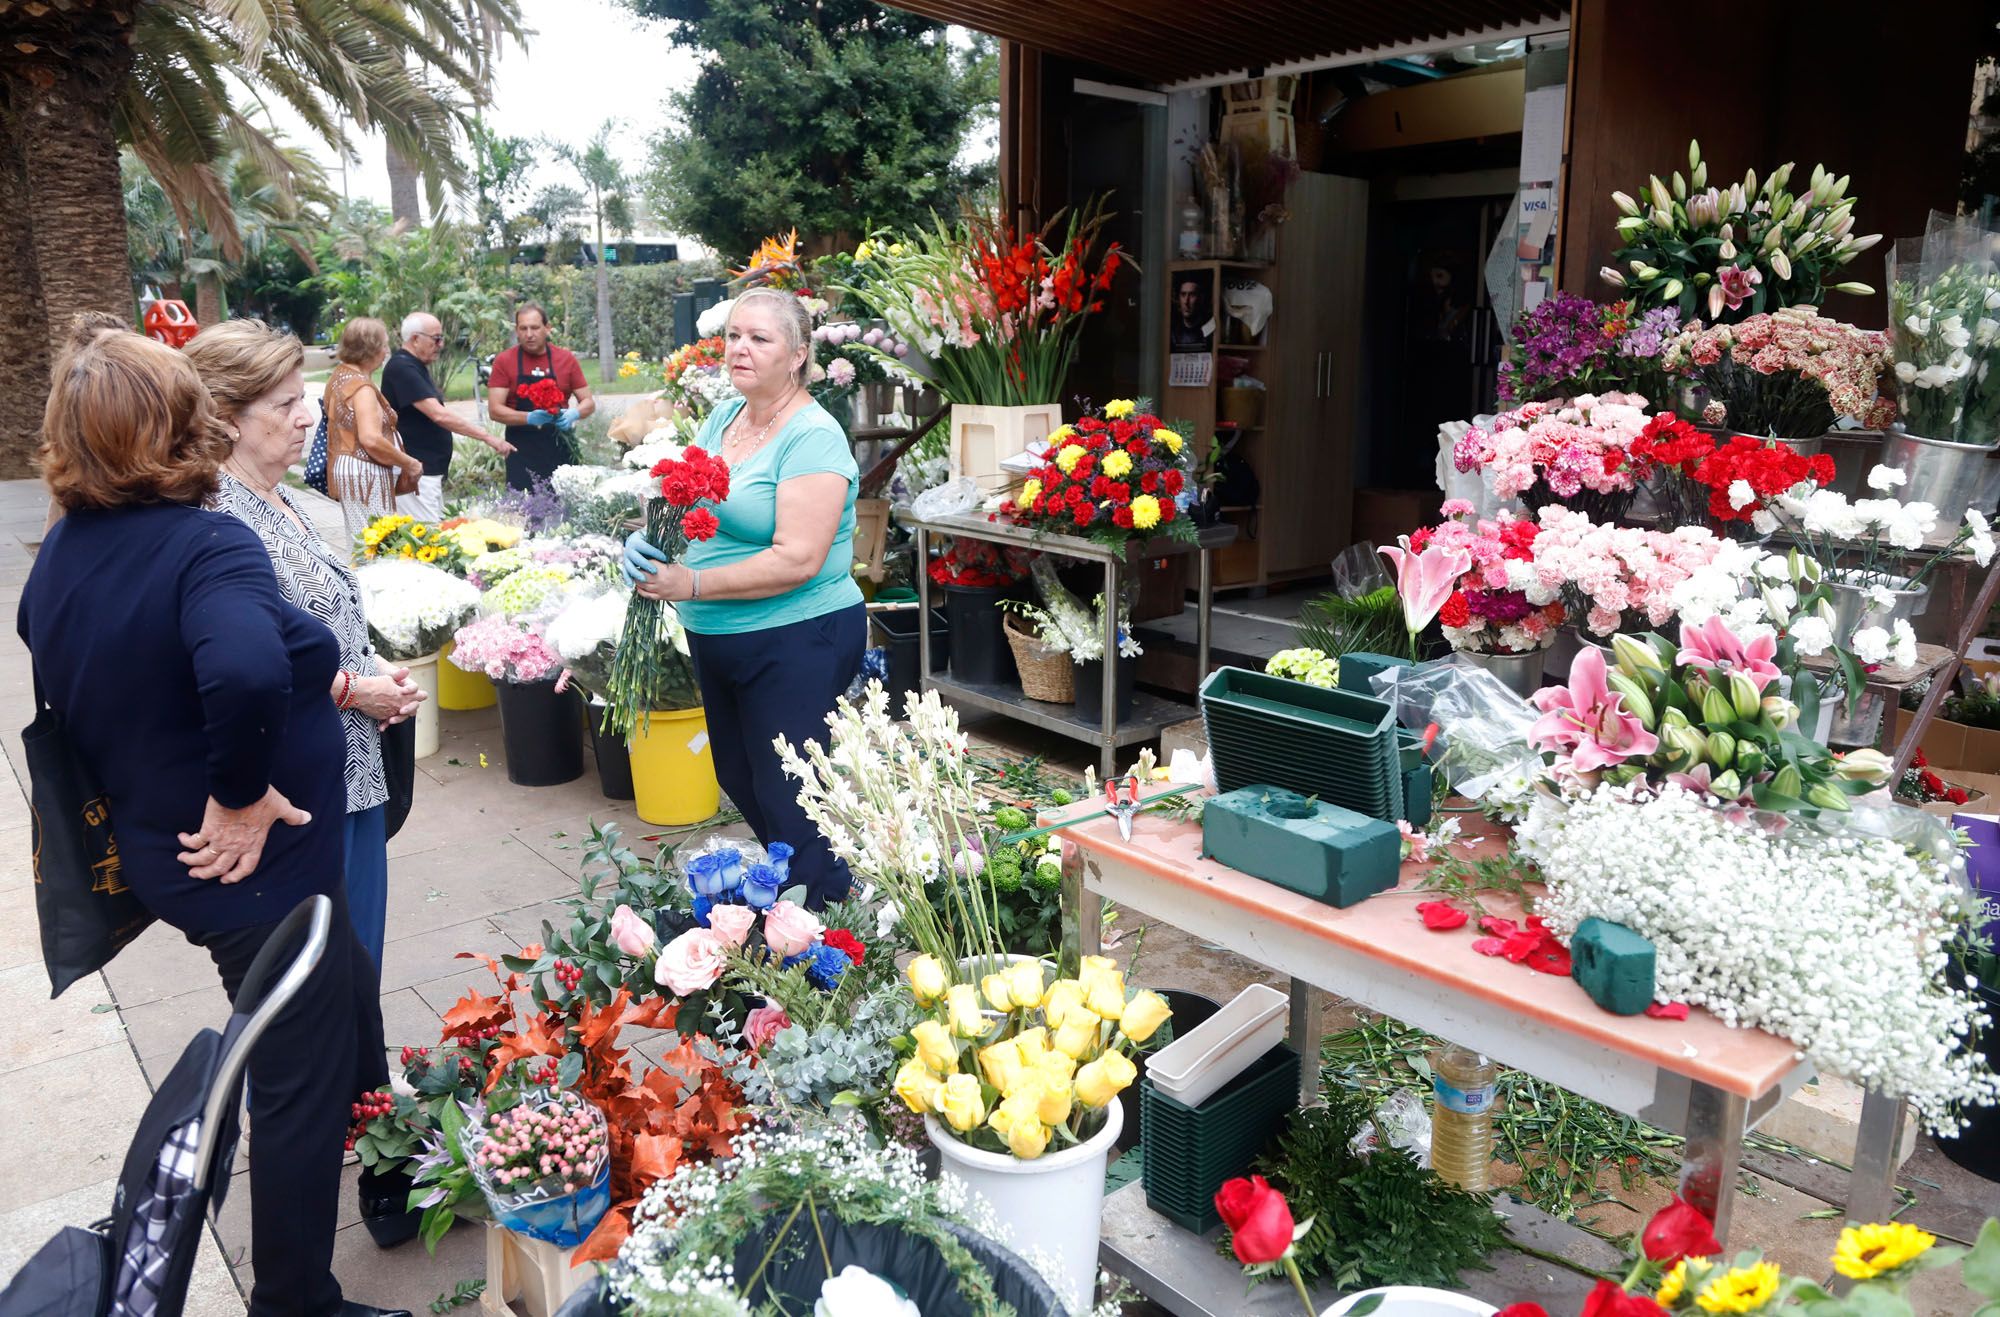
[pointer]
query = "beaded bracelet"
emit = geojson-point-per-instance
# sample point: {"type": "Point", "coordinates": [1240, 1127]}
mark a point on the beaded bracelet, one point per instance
{"type": "Point", "coordinates": [345, 700]}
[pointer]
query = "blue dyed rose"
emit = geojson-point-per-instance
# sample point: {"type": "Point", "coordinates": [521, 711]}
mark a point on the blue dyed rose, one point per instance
{"type": "Point", "coordinates": [760, 886]}
{"type": "Point", "coordinates": [825, 966]}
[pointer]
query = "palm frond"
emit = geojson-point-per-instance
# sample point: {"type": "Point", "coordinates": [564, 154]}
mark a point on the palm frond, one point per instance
{"type": "Point", "coordinates": [1335, 624]}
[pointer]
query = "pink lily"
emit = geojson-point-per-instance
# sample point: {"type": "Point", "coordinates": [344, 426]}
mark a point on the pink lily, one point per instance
{"type": "Point", "coordinates": [1587, 721]}
{"type": "Point", "coordinates": [1425, 580]}
{"type": "Point", "coordinates": [1717, 650]}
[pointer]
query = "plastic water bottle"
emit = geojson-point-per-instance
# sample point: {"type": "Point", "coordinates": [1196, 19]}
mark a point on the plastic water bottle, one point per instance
{"type": "Point", "coordinates": [1462, 1084]}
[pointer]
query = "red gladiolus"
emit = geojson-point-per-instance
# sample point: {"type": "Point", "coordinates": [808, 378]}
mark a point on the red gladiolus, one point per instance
{"type": "Point", "coordinates": [1678, 1230]}
{"type": "Point", "coordinates": [1258, 1217]}
{"type": "Point", "coordinates": [1609, 1300]}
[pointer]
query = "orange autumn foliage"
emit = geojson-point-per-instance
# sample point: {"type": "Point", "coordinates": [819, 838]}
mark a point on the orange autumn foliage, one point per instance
{"type": "Point", "coordinates": [684, 1109]}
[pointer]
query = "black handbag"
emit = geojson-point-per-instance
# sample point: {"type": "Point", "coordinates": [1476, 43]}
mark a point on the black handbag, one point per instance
{"type": "Point", "coordinates": [399, 770]}
{"type": "Point", "coordinates": [87, 913]}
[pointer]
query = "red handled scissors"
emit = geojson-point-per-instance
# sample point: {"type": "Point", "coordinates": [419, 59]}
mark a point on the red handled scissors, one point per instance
{"type": "Point", "coordinates": [1122, 793]}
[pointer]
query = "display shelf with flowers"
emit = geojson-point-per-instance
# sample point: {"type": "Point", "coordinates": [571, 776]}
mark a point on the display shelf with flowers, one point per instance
{"type": "Point", "coordinates": [1064, 624]}
{"type": "Point", "coordinates": [678, 515]}
{"type": "Point", "coordinates": [977, 576]}
{"type": "Point", "coordinates": [1788, 374]}
{"type": "Point", "coordinates": [1573, 452]}
{"type": "Point", "coordinates": [1568, 345]}
{"type": "Point", "coordinates": [404, 537]}
{"type": "Point", "coordinates": [1731, 252]}
{"type": "Point", "coordinates": [1112, 477]}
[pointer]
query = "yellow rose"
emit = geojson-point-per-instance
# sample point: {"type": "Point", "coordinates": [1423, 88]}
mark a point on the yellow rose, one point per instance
{"type": "Point", "coordinates": [916, 1085]}
{"type": "Point", "coordinates": [994, 988]}
{"type": "Point", "coordinates": [928, 979]}
{"type": "Point", "coordinates": [1145, 512]}
{"type": "Point", "coordinates": [864, 251]}
{"type": "Point", "coordinates": [1168, 440]}
{"type": "Point", "coordinates": [1024, 984]}
{"type": "Point", "coordinates": [1067, 457]}
{"type": "Point", "coordinates": [1078, 1035]}
{"type": "Point", "coordinates": [1117, 464]}
{"type": "Point", "coordinates": [1105, 995]}
{"type": "Point", "coordinates": [1064, 996]}
{"type": "Point", "coordinates": [1144, 1014]}
{"type": "Point", "coordinates": [1001, 1064]}
{"type": "Point", "coordinates": [1119, 408]}
{"type": "Point", "coordinates": [1029, 493]}
{"type": "Point", "coordinates": [1093, 967]}
{"type": "Point", "coordinates": [1026, 1139]}
{"type": "Point", "coordinates": [935, 1047]}
{"type": "Point", "coordinates": [1054, 1068]}
{"type": "Point", "coordinates": [1056, 1098]}
{"type": "Point", "coordinates": [1033, 1044]}
{"type": "Point", "coordinates": [895, 249]}
{"type": "Point", "coordinates": [1105, 1078]}
{"type": "Point", "coordinates": [961, 1005]}
{"type": "Point", "coordinates": [960, 1103]}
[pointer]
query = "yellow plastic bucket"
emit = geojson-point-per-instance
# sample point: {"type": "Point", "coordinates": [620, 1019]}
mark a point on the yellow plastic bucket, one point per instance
{"type": "Point", "coordinates": [460, 690]}
{"type": "Point", "coordinates": [673, 775]}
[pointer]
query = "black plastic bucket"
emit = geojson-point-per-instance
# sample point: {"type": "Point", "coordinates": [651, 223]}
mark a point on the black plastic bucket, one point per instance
{"type": "Point", "coordinates": [980, 655]}
{"type": "Point", "coordinates": [542, 732]}
{"type": "Point", "coordinates": [1090, 689]}
{"type": "Point", "coordinates": [896, 633]}
{"type": "Point", "coordinates": [614, 761]}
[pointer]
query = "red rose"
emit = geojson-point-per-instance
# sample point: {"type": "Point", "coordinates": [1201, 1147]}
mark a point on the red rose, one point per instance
{"type": "Point", "coordinates": [699, 524]}
{"type": "Point", "coordinates": [842, 940]}
{"type": "Point", "coordinates": [1608, 1300]}
{"type": "Point", "coordinates": [1678, 1230]}
{"type": "Point", "coordinates": [1932, 783]}
{"type": "Point", "coordinates": [1259, 1220]}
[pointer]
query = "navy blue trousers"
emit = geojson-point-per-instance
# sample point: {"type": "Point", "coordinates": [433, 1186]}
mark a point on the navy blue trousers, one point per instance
{"type": "Point", "coordinates": [781, 681]}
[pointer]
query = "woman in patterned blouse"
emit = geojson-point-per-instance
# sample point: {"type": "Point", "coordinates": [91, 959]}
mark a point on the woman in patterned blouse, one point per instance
{"type": "Point", "coordinates": [255, 377]}
{"type": "Point", "coordinates": [366, 466]}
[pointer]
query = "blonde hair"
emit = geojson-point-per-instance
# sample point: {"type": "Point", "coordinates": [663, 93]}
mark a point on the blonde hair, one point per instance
{"type": "Point", "coordinates": [242, 360]}
{"type": "Point", "coordinates": [793, 319]}
{"type": "Point", "coordinates": [363, 342]}
{"type": "Point", "coordinates": [127, 422]}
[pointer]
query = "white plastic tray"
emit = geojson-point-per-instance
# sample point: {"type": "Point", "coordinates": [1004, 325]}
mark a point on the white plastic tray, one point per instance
{"type": "Point", "coordinates": [1222, 1047]}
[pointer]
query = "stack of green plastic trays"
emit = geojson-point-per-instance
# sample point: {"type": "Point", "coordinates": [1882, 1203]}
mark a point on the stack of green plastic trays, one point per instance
{"type": "Point", "coordinates": [1190, 1151]}
{"type": "Point", "coordinates": [1338, 746]}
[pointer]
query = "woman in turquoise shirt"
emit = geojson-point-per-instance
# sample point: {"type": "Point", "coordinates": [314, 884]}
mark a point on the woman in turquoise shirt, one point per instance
{"type": "Point", "coordinates": [774, 619]}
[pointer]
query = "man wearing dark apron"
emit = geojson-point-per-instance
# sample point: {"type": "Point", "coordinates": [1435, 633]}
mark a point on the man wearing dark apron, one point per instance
{"type": "Point", "coordinates": [543, 439]}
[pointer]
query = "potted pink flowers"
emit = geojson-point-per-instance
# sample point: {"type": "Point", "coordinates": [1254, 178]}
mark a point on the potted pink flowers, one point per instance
{"type": "Point", "coordinates": [1572, 453]}
{"type": "Point", "coordinates": [541, 728]}
{"type": "Point", "coordinates": [1788, 375]}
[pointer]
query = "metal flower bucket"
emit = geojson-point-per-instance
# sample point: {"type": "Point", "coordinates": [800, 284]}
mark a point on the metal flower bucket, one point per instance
{"type": "Point", "coordinates": [1519, 673]}
{"type": "Point", "coordinates": [1950, 477]}
{"type": "Point", "coordinates": [1855, 607]}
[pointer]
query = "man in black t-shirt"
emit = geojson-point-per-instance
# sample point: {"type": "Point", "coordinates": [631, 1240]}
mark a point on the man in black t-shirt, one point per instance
{"type": "Point", "coordinates": [423, 422]}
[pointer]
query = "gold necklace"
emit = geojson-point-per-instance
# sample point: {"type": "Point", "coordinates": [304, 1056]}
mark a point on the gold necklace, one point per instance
{"type": "Point", "coordinates": [763, 433]}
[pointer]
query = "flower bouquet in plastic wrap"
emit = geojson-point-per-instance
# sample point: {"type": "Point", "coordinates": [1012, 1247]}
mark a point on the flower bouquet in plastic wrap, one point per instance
{"type": "Point", "coordinates": [1944, 332]}
{"type": "Point", "coordinates": [542, 1160]}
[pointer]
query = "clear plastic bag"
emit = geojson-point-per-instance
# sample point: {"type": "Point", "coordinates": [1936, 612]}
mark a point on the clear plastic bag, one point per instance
{"type": "Point", "coordinates": [952, 498]}
{"type": "Point", "coordinates": [1358, 571]}
{"type": "Point", "coordinates": [550, 1212]}
{"type": "Point", "coordinates": [1482, 744]}
{"type": "Point", "coordinates": [1403, 1121]}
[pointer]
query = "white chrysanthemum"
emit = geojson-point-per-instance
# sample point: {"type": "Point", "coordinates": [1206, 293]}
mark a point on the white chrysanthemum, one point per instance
{"type": "Point", "coordinates": [412, 607]}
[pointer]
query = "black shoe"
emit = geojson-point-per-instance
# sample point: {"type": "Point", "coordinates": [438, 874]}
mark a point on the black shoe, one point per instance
{"type": "Point", "coordinates": [349, 1308]}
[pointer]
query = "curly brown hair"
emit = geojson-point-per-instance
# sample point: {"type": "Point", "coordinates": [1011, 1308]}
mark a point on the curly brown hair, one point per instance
{"type": "Point", "coordinates": [127, 422]}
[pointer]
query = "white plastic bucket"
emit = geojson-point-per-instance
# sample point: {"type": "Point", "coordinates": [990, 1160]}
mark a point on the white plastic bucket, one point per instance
{"type": "Point", "coordinates": [424, 672]}
{"type": "Point", "coordinates": [1414, 1301]}
{"type": "Point", "coordinates": [1053, 1205]}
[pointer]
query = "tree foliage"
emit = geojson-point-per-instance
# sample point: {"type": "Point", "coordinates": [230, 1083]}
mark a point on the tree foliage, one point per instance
{"type": "Point", "coordinates": [832, 118]}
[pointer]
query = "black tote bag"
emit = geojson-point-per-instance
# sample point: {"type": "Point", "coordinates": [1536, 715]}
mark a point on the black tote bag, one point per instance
{"type": "Point", "coordinates": [88, 914]}
{"type": "Point", "coordinates": [399, 768]}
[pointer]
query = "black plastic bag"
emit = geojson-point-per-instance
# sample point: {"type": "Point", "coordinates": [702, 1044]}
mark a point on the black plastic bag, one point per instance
{"type": "Point", "coordinates": [399, 767]}
{"type": "Point", "coordinates": [87, 913]}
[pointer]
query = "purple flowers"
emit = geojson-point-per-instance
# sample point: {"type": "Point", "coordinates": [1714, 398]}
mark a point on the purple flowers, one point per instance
{"type": "Point", "coordinates": [1558, 342]}
{"type": "Point", "coordinates": [1650, 335]}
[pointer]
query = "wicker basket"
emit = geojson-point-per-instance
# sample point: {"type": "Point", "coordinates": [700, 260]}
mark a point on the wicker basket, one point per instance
{"type": "Point", "coordinates": [1046, 674]}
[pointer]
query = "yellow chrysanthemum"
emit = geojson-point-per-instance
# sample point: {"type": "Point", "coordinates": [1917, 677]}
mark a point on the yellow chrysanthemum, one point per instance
{"type": "Point", "coordinates": [1117, 464]}
{"type": "Point", "coordinates": [1865, 1252]}
{"type": "Point", "coordinates": [1168, 440]}
{"type": "Point", "coordinates": [1145, 512]}
{"type": "Point", "coordinates": [1061, 435]}
{"type": "Point", "coordinates": [1672, 1284]}
{"type": "Point", "coordinates": [1120, 408]}
{"type": "Point", "coordinates": [1029, 493]}
{"type": "Point", "coordinates": [1746, 1289]}
{"type": "Point", "coordinates": [1068, 456]}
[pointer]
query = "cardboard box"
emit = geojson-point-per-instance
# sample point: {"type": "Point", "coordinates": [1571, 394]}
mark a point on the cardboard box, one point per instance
{"type": "Point", "coordinates": [1950, 747]}
{"type": "Point", "coordinates": [1983, 787]}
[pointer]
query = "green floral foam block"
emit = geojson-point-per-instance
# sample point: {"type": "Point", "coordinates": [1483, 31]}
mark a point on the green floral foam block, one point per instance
{"type": "Point", "coordinates": [1307, 846]}
{"type": "Point", "coordinates": [1614, 965]}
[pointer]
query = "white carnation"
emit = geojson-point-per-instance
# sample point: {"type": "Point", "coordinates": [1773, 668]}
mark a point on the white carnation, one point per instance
{"type": "Point", "coordinates": [1886, 478]}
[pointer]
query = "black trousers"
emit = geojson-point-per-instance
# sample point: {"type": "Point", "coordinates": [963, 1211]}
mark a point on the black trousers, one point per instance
{"type": "Point", "coordinates": [758, 686]}
{"type": "Point", "coordinates": [320, 1052]}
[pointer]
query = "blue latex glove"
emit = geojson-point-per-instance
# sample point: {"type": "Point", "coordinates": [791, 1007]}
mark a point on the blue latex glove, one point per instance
{"type": "Point", "coordinates": [566, 421]}
{"type": "Point", "coordinates": [541, 418]}
{"type": "Point", "coordinates": [640, 554]}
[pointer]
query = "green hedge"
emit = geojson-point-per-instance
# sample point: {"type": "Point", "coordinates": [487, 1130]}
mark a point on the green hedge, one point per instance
{"type": "Point", "coordinates": [642, 301]}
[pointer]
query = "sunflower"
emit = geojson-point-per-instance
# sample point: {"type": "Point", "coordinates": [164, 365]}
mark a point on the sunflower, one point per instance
{"type": "Point", "coordinates": [1746, 1289]}
{"type": "Point", "coordinates": [1672, 1284]}
{"type": "Point", "coordinates": [430, 553]}
{"type": "Point", "coordinates": [1865, 1252]}
{"type": "Point", "coordinates": [420, 531]}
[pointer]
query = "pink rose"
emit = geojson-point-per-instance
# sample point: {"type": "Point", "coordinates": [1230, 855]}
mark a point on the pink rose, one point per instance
{"type": "Point", "coordinates": [764, 1024]}
{"type": "Point", "coordinates": [691, 962]}
{"type": "Point", "coordinates": [789, 928]}
{"type": "Point", "coordinates": [731, 923]}
{"type": "Point", "coordinates": [629, 933]}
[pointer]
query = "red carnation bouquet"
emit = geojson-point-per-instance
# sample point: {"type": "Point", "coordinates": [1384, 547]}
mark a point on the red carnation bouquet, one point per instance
{"type": "Point", "coordinates": [640, 676]}
{"type": "Point", "coordinates": [1726, 487]}
{"type": "Point", "coordinates": [979, 563]}
{"type": "Point", "coordinates": [1113, 476]}
{"type": "Point", "coordinates": [545, 395]}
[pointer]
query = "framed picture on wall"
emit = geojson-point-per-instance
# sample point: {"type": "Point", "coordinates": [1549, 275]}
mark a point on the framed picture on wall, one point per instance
{"type": "Point", "coordinates": [1192, 317]}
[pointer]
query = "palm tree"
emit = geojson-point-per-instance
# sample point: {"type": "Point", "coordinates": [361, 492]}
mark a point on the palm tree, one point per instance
{"type": "Point", "coordinates": [79, 77]}
{"type": "Point", "coordinates": [600, 172]}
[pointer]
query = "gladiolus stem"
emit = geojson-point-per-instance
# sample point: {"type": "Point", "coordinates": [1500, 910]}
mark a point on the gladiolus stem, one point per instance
{"type": "Point", "coordinates": [1299, 1284]}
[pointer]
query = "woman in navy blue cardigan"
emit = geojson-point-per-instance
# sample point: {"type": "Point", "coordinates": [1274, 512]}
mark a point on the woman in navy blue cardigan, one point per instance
{"type": "Point", "coordinates": [198, 697]}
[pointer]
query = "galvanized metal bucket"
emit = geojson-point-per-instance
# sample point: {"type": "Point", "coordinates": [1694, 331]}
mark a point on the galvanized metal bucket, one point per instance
{"type": "Point", "coordinates": [1520, 673]}
{"type": "Point", "coordinates": [1950, 477]}
{"type": "Point", "coordinates": [1854, 606]}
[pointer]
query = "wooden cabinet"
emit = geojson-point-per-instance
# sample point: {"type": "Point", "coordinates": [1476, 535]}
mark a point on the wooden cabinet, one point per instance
{"type": "Point", "coordinates": [1309, 360]}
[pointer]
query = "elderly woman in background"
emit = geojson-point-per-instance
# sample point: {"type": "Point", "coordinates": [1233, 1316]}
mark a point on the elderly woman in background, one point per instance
{"type": "Point", "coordinates": [196, 695]}
{"type": "Point", "coordinates": [255, 377]}
{"type": "Point", "coordinates": [775, 621]}
{"type": "Point", "coordinates": [366, 466]}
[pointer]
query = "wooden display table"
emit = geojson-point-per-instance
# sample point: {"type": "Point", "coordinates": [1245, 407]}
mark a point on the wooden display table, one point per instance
{"type": "Point", "coordinates": [1696, 1077]}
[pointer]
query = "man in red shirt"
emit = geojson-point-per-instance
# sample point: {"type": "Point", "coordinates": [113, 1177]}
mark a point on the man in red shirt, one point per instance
{"type": "Point", "coordinates": [543, 440]}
